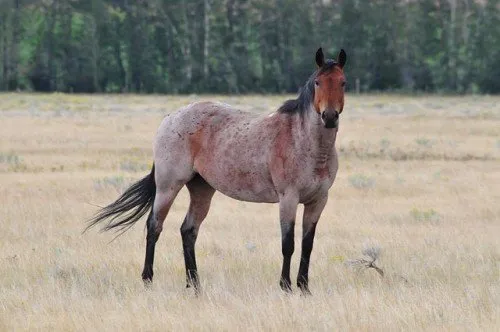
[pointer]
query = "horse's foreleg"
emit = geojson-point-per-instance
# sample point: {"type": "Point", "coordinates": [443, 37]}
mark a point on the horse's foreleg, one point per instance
{"type": "Point", "coordinates": [161, 206]}
{"type": "Point", "coordinates": [312, 212]}
{"type": "Point", "coordinates": [288, 211]}
{"type": "Point", "coordinates": [201, 194]}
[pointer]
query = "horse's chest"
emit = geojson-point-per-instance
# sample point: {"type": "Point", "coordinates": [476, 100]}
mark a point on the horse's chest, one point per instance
{"type": "Point", "coordinates": [308, 169]}
{"type": "Point", "coordinates": [317, 177]}
{"type": "Point", "coordinates": [316, 184]}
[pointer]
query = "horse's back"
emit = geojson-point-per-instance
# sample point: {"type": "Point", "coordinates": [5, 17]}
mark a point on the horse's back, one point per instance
{"type": "Point", "coordinates": [199, 115]}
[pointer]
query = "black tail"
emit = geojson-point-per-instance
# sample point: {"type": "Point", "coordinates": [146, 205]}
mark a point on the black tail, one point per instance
{"type": "Point", "coordinates": [130, 207]}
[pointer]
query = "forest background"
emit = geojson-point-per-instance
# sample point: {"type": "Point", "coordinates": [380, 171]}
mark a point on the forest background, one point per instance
{"type": "Point", "coordinates": [247, 46]}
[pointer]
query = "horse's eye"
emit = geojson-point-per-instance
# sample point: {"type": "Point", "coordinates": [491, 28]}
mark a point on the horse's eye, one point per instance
{"type": "Point", "coordinates": [316, 82]}
{"type": "Point", "coordinates": [343, 83]}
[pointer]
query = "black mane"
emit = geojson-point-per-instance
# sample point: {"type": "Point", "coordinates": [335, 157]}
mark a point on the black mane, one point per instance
{"type": "Point", "coordinates": [306, 93]}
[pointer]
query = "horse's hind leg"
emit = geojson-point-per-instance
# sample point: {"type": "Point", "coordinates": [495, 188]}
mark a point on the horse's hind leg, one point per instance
{"type": "Point", "coordinates": [201, 194]}
{"type": "Point", "coordinates": [162, 203]}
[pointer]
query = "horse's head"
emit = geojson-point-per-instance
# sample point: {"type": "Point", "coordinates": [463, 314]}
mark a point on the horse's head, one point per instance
{"type": "Point", "coordinates": [329, 85]}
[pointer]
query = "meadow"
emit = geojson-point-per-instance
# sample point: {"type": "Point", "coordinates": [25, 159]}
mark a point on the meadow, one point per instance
{"type": "Point", "coordinates": [418, 182]}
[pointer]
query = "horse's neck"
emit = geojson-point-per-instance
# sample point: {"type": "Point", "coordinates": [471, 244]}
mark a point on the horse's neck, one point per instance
{"type": "Point", "coordinates": [322, 139]}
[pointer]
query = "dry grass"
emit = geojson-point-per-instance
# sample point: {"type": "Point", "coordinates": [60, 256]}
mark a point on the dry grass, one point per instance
{"type": "Point", "coordinates": [419, 178]}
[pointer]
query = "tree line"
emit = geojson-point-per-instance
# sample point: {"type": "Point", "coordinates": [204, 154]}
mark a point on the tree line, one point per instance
{"type": "Point", "coordinates": [247, 46]}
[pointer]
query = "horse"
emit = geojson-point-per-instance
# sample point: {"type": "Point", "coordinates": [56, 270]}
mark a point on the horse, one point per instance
{"type": "Point", "coordinates": [287, 157]}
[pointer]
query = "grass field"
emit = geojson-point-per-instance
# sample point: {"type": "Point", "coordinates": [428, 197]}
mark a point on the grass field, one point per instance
{"type": "Point", "coordinates": [419, 178]}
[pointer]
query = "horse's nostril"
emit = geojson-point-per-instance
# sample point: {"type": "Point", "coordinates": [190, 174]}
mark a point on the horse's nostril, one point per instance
{"type": "Point", "coordinates": [323, 115]}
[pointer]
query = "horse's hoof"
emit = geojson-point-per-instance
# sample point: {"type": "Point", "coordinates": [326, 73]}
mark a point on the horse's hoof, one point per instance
{"type": "Point", "coordinates": [304, 288]}
{"type": "Point", "coordinates": [305, 292]}
{"type": "Point", "coordinates": [147, 275]}
{"type": "Point", "coordinates": [148, 282]}
{"type": "Point", "coordinates": [286, 286]}
{"type": "Point", "coordinates": [196, 286]}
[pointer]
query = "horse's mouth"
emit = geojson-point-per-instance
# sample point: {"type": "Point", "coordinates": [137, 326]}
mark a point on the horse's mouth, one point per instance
{"type": "Point", "coordinates": [331, 124]}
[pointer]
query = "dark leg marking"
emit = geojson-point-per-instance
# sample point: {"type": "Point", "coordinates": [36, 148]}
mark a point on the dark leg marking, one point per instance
{"type": "Point", "coordinates": [287, 248]}
{"type": "Point", "coordinates": [307, 246]}
{"type": "Point", "coordinates": [152, 237]}
{"type": "Point", "coordinates": [189, 235]}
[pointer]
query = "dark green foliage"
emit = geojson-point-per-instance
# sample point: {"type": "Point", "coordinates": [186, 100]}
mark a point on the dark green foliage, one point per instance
{"type": "Point", "coordinates": [246, 46]}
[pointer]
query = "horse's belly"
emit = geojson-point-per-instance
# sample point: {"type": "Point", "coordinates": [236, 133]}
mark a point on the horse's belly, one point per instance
{"type": "Point", "coordinates": [247, 186]}
{"type": "Point", "coordinates": [247, 195]}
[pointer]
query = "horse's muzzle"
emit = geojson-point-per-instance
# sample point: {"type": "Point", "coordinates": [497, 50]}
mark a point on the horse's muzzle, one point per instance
{"type": "Point", "coordinates": [330, 119]}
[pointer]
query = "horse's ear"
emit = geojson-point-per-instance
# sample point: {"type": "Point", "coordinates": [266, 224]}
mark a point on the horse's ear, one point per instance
{"type": "Point", "coordinates": [342, 58]}
{"type": "Point", "coordinates": [320, 58]}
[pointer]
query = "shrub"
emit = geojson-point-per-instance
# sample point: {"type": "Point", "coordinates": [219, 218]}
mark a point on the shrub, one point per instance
{"type": "Point", "coordinates": [117, 182]}
{"type": "Point", "coordinates": [361, 181]}
{"type": "Point", "coordinates": [424, 142]}
{"type": "Point", "coordinates": [133, 166]}
{"type": "Point", "coordinates": [424, 215]}
{"type": "Point", "coordinates": [14, 161]}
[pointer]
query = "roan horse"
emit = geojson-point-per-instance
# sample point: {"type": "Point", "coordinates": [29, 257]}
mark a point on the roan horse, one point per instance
{"type": "Point", "coordinates": [287, 157]}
